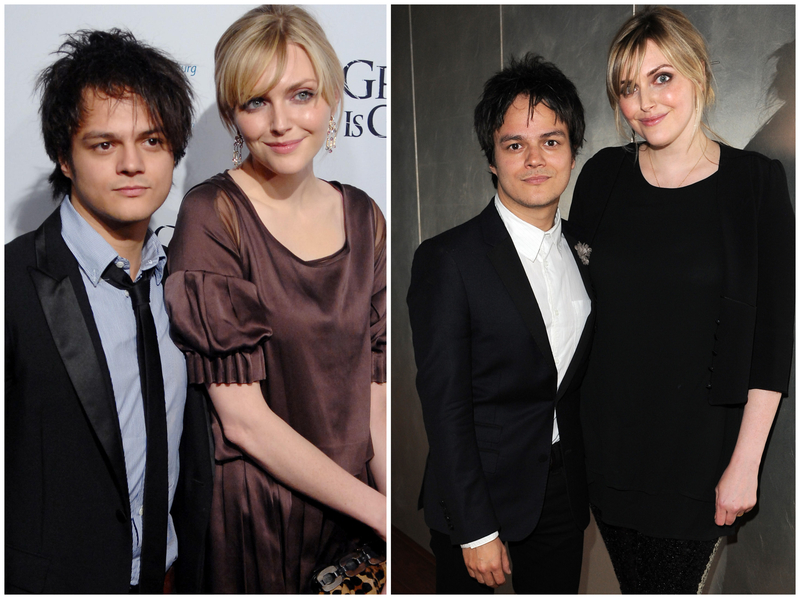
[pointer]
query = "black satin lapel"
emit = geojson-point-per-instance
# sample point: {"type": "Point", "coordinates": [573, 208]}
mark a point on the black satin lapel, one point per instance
{"type": "Point", "coordinates": [73, 339]}
{"type": "Point", "coordinates": [506, 262]}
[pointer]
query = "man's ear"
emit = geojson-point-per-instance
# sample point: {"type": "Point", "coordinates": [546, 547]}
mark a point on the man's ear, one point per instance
{"type": "Point", "coordinates": [494, 170]}
{"type": "Point", "coordinates": [64, 164]}
{"type": "Point", "coordinates": [573, 164]}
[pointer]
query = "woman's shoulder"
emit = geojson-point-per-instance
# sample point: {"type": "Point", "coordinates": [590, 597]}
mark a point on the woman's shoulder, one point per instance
{"type": "Point", "coordinates": [357, 199]}
{"type": "Point", "coordinates": [742, 158]}
{"type": "Point", "coordinates": [211, 188]}
{"type": "Point", "coordinates": [210, 203]}
{"type": "Point", "coordinates": [352, 193]}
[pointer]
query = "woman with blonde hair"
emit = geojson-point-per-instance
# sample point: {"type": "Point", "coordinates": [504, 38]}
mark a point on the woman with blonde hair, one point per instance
{"type": "Point", "coordinates": [693, 268]}
{"type": "Point", "coordinates": [277, 295]}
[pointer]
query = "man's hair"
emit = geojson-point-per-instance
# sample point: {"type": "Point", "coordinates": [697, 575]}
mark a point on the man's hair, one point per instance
{"type": "Point", "coordinates": [541, 82]}
{"type": "Point", "coordinates": [114, 64]}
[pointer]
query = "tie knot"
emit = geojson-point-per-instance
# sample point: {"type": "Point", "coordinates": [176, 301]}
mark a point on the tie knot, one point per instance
{"type": "Point", "coordinates": [139, 291]}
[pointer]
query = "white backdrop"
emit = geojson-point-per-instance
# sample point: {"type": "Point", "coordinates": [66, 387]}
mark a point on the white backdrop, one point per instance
{"type": "Point", "coordinates": [188, 33]}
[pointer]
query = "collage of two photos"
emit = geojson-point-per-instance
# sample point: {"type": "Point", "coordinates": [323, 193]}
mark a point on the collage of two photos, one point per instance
{"type": "Point", "coordinates": [406, 299]}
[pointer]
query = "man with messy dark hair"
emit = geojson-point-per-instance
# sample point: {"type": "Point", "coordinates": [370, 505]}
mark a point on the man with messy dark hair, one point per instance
{"type": "Point", "coordinates": [98, 427]}
{"type": "Point", "coordinates": [501, 315]}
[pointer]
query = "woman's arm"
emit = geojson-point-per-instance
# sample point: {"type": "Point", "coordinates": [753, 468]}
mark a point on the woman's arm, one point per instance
{"type": "Point", "coordinates": [249, 423]}
{"type": "Point", "coordinates": [377, 428]}
{"type": "Point", "coordinates": [736, 490]}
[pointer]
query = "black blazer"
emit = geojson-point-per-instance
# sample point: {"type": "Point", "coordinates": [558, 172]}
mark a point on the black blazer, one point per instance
{"type": "Point", "coordinates": [487, 382]}
{"type": "Point", "coordinates": [755, 327]}
{"type": "Point", "coordinates": [67, 508]}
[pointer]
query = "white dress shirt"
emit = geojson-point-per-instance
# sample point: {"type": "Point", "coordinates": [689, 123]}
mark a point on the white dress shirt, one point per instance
{"type": "Point", "coordinates": [558, 287]}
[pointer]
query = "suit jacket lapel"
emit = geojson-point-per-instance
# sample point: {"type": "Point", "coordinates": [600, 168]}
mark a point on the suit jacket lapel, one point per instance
{"type": "Point", "coordinates": [66, 307]}
{"type": "Point", "coordinates": [584, 343]}
{"type": "Point", "coordinates": [503, 256]}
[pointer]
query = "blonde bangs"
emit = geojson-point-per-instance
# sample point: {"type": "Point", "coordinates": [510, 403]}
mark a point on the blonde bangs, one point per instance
{"type": "Point", "coordinates": [682, 45]}
{"type": "Point", "coordinates": [259, 39]}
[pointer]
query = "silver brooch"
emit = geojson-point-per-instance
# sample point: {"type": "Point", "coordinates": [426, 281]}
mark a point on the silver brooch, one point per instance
{"type": "Point", "coordinates": [584, 251]}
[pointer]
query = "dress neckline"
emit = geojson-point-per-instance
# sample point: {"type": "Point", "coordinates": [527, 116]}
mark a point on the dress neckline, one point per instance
{"type": "Point", "coordinates": [324, 260]}
{"type": "Point", "coordinates": [637, 166]}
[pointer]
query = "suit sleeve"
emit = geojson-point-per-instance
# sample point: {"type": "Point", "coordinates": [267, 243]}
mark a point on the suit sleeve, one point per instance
{"type": "Point", "coordinates": [772, 344]}
{"type": "Point", "coordinates": [440, 323]}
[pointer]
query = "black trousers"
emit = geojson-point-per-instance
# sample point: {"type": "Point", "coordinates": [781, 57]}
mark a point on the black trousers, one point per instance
{"type": "Point", "coordinates": [547, 561]}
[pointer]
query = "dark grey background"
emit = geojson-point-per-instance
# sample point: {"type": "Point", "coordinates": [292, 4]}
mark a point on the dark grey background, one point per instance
{"type": "Point", "coordinates": [441, 56]}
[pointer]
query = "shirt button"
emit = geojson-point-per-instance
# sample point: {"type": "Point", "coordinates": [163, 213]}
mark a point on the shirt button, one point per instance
{"type": "Point", "coordinates": [141, 511]}
{"type": "Point", "coordinates": [127, 294]}
{"type": "Point", "coordinates": [119, 264]}
{"type": "Point", "coordinates": [555, 313]}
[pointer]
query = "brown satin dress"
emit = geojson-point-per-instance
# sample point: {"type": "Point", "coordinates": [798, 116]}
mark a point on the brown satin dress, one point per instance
{"type": "Point", "coordinates": [244, 308]}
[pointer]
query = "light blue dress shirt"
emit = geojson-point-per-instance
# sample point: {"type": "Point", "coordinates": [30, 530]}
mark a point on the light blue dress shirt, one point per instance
{"type": "Point", "coordinates": [116, 325]}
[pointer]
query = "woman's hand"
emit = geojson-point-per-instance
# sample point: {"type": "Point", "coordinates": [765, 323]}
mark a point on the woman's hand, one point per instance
{"type": "Point", "coordinates": [736, 493]}
{"type": "Point", "coordinates": [736, 489]}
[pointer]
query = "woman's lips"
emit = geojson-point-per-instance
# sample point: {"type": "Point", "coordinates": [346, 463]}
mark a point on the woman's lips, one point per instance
{"type": "Point", "coordinates": [653, 120]}
{"type": "Point", "coordinates": [285, 147]}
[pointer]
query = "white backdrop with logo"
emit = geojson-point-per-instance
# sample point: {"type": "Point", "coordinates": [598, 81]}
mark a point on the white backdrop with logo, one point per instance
{"type": "Point", "coordinates": [188, 33]}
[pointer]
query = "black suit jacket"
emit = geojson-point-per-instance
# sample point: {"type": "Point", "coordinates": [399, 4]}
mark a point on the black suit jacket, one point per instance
{"type": "Point", "coordinates": [67, 508]}
{"type": "Point", "coordinates": [487, 382]}
{"type": "Point", "coordinates": [754, 337]}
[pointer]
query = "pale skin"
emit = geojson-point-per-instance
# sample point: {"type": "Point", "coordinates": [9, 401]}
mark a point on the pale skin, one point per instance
{"type": "Point", "coordinates": [658, 104]}
{"type": "Point", "coordinates": [249, 423]}
{"type": "Point", "coordinates": [284, 128]}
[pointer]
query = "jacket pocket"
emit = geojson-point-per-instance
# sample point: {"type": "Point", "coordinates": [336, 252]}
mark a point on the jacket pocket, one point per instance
{"type": "Point", "coordinates": [25, 572]}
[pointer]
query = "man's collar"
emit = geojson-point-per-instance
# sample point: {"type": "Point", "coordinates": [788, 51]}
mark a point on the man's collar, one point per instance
{"type": "Point", "coordinates": [527, 238]}
{"type": "Point", "coordinates": [94, 253]}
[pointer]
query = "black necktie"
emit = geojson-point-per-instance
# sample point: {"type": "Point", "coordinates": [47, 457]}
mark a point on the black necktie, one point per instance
{"type": "Point", "coordinates": [156, 479]}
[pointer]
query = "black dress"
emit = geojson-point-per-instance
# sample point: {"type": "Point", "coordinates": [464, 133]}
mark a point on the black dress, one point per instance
{"type": "Point", "coordinates": [655, 446]}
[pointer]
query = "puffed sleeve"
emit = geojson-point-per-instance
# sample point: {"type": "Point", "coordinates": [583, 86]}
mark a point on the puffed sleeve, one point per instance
{"type": "Point", "coordinates": [216, 316]}
{"type": "Point", "coordinates": [378, 309]}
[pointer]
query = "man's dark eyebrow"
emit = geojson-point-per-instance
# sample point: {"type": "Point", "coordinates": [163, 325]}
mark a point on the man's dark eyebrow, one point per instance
{"type": "Point", "coordinates": [518, 137]}
{"type": "Point", "coordinates": [553, 133]}
{"type": "Point", "coordinates": [98, 134]}
{"type": "Point", "coordinates": [109, 135]}
{"type": "Point", "coordinates": [510, 137]}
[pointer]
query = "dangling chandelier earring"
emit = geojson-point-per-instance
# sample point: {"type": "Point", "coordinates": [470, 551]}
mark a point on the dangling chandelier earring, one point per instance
{"type": "Point", "coordinates": [238, 142]}
{"type": "Point", "coordinates": [330, 141]}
